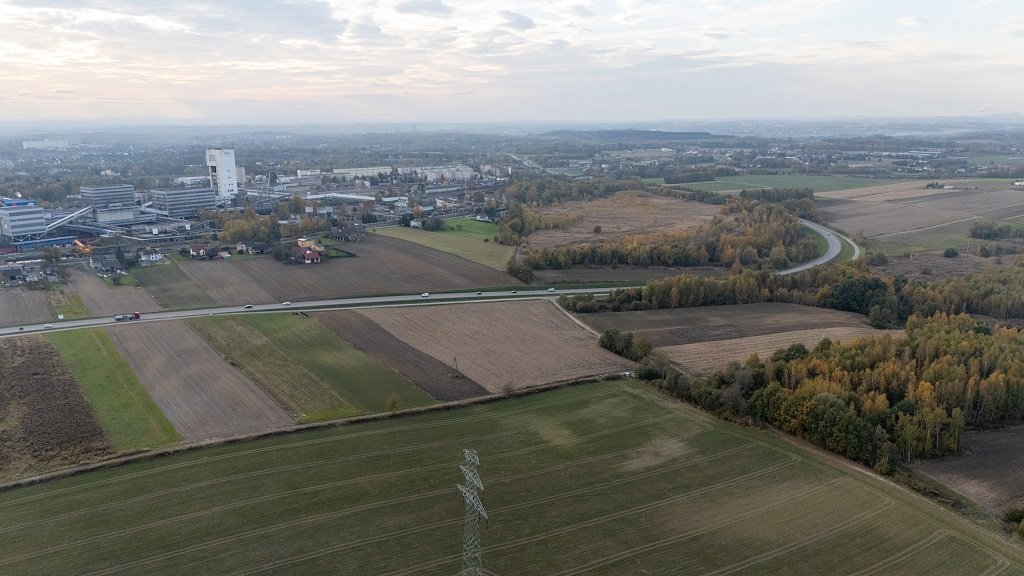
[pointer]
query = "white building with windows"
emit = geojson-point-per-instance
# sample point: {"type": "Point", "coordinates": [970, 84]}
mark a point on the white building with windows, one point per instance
{"type": "Point", "coordinates": [223, 173]}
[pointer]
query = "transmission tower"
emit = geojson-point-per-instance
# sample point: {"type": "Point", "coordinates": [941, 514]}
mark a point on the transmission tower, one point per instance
{"type": "Point", "coordinates": [472, 561]}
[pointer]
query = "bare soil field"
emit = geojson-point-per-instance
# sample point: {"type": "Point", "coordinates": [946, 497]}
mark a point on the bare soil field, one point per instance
{"type": "Point", "coordinates": [172, 288]}
{"type": "Point", "coordinates": [876, 218]}
{"type": "Point", "coordinates": [225, 282]}
{"type": "Point", "coordinates": [910, 190]}
{"type": "Point", "coordinates": [624, 213]}
{"type": "Point", "coordinates": [636, 274]}
{"type": "Point", "coordinates": [201, 395]}
{"type": "Point", "coordinates": [990, 471]}
{"type": "Point", "coordinates": [706, 357]}
{"type": "Point", "coordinates": [45, 421]}
{"type": "Point", "coordinates": [102, 300]}
{"type": "Point", "coordinates": [712, 323]}
{"type": "Point", "coordinates": [383, 266]}
{"type": "Point", "coordinates": [931, 265]}
{"type": "Point", "coordinates": [20, 305]}
{"type": "Point", "coordinates": [430, 374]}
{"type": "Point", "coordinates": [502, 344]}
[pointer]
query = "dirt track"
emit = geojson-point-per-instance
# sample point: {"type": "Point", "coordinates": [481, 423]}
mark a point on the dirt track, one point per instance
{"type": "Point", "coordinates": [201, 395]}
{"type": "Point", "coordinates": [102, 300]}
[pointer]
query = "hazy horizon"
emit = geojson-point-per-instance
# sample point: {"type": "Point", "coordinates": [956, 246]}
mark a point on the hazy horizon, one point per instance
{"type": "Point", "coordinates": [453, 61]}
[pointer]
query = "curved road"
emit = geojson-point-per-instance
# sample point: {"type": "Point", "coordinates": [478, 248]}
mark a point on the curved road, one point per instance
{"type": "Point", "coordinates": [834, 248]}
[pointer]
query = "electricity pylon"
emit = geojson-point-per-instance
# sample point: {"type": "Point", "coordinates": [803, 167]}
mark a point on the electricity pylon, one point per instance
{"type": "Point", "coordinates": [472, 561]}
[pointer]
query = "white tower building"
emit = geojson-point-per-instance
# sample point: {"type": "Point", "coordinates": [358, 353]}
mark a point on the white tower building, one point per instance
{"type": "Point", "coordinates": [223, 175]}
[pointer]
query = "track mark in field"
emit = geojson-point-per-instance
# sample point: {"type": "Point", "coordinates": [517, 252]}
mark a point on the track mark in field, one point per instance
{"type": "Point", "coordinates": [628, 512]}
{"type": "Point", "coordinates": [851, 522]}
{"type": "Point", "coordinates": [906, 552]}
{"type": "Point", "coordinates": [254, 473]}
{"type": "Point", "coordinates": [285, 493]}
{"type": "Point", "coordinates": [290, 445]}
{"type": "Point", "coordinates": [380, 503]}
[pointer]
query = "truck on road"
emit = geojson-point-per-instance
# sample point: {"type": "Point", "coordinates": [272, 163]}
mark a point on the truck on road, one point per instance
{"type": "Point", "coordinates": [132, 316]}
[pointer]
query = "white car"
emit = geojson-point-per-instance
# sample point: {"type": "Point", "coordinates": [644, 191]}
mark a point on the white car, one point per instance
{"type": "Point", "coordinates": [286, 303]}
{"type": "Point", "coordinates": [247, 306]}
{"type": "Point", "coordinates": [47, 325]}
{"type": "Point", "coordinates": [425, 295]}
{"type": "Point", "coordinates": [551, 289]}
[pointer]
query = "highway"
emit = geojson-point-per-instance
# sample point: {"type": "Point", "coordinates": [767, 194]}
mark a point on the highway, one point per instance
{"type": "Point", "coordinates": [834, 248]}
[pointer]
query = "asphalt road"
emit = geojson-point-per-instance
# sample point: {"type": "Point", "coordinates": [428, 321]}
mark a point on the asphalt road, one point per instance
{"type": "Point", "coordinates": [834, 248]}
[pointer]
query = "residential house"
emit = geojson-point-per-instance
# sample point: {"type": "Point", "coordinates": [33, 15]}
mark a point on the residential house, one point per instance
{"type": "Point", "coordinates": [306, 255]}
{"type": "Point", "coordinates": [197, 251]}
{"type": "Point", "coordinates": [256, 248]}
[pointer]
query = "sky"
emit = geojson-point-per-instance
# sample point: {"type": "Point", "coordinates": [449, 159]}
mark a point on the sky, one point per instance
{"type": "Point", "coordinates": [339, 61]}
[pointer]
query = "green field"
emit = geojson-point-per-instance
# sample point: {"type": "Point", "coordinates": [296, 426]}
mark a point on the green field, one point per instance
{"type": "Point", "coordinates": [599, 479]}
{"type": "Point", "coordinates": [305, 367]}
{"type": "Point", "coordinates": [934, 239]}
{"type": "Point", "coordinates": [818, 183]}
{"type": "Point", "coordinates": [130, 418]}
{"type": "Point", "coordinates": [65, 301]}
{"type": "Point", "coordinates": [474, 241]}
{"type": "Point", "coordinates": [172, 288]}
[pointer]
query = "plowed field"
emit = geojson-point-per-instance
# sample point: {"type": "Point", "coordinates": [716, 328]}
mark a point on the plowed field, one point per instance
{"type": "Point", "coordinates": [382, 266]}
{"type": "Point", "coordinates": [102, 300]}
{"type": "Point", "coordinates": [429, 374]}
{"type": "Point", "coordinates": [22, 306]}
{"type": "Point", "coordinates": [705, 323]}
{"type": "Point", "coordinates": [990, 472]}
{"type": "Point", "coordinates": [225, 282]}
{"type": "Point", "coordinates": [502, 344]}
{"type": "Point", "coordinates": [45, 421]}
{"type": "Point", "coordinates": [707, 357]}
{"type": "Point", "coordinates": [201, 395]}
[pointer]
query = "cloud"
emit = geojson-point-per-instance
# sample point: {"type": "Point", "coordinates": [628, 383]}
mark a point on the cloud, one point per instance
{"type": "Point", "coordinates": [911, 21]}
{"type": "Point", "coordinates": [581, 11]}
{"type": "Point", "coordinates": [425, 7]}
{"type": "Point", "coordinates": [516, 20]}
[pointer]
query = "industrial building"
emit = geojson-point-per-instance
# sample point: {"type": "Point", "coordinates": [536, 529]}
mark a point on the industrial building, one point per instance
{"type": "Point", "coordinates": [21, 220]}
{"type": "Point", "coordinates": [183, 203]}
{"type": "Point", "coordinates": [223, 174]}
{"type": "Point", "coordinates": [114, 205]}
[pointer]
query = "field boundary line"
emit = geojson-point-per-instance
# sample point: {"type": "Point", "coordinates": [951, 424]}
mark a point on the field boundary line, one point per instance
{"type": "Point", "coordinates": [282, 494]}
{"type": "Point", "coordinates": [887, 234]}
{"type": "Point", "coordinates": [254, 473]}
{"type": "Point", "coordinates": [342, 423]}
{"type": "Point", "coordinates": [527, 540]}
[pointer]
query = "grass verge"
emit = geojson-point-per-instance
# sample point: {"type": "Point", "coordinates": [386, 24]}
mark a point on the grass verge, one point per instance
{"type": "Point", "coordinates": [66, 301]}
{"type": "Point", "coordinates": [465, 237]}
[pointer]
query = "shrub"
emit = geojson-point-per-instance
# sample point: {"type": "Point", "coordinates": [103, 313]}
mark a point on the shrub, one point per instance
{"type": "Point", "coordinates": [1015, 515]}
{"type": "Point", "coordinates": [951, 252]}
{"type": "Point", "coordinates": [597, 229]}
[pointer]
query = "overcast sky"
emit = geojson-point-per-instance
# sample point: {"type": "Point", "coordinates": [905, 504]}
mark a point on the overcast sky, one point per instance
{"type": "Point", "coordinates": [263, 61]}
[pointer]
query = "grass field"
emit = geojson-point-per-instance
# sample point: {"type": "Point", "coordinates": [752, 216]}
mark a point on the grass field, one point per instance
{"type": "Point", "coordinates": [361, 380]}
{"type": "Point", "coordinates": [818, 183]}
{"type": "Point", "coordinates": [283, 377]}
{"type": "Point", "coordinates": [64, 300]}
{"type": "Point", "coordinates": [474, 241]}
{"type": "Point", "coordinates": [130, 418]}
{"type": "Point", "coordinates": [598, 479]}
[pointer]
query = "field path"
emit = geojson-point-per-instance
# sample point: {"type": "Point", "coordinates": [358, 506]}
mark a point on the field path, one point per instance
{"type": "Point", "coordinates": [201, 395]}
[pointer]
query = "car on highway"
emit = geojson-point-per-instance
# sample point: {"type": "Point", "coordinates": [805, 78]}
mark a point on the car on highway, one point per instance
{"type": "Point", "coordinates": [479, 293]}
{"type": "Point", "coordinates": [551, 289]}
{"type": "Point", "coordinates": [47, 325]}
{"type": "Point", "coordinates": [425, 295]}
{"type": "Point", "coordinates": [286, 303]}
{"type": "Point", "coordinates": [515, 291]}
{"type": "Point", "coordinates": [247, 306]}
